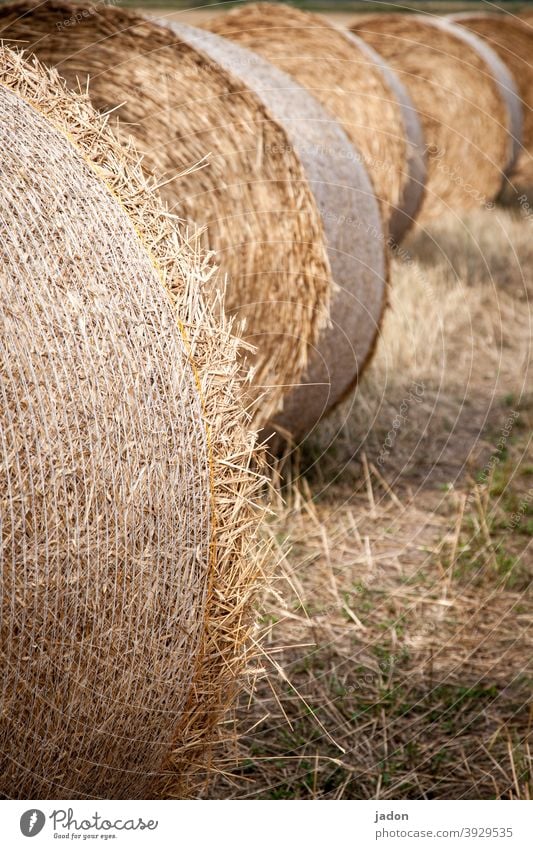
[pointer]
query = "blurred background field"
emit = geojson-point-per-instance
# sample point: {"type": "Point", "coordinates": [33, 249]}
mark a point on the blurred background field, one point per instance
{"type": "Point", "coordinates": [341, 12]}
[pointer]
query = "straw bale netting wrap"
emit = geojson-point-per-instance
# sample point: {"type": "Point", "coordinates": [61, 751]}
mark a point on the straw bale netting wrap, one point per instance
{"type": "Point", "coordinates": [355, 86]}
{"type": "Point", "coordinates": [251, 194]}
{"type": "Point", "coordinates": [512, 40]}
{"type": "Point", "coordinates": [352, 223]}
{"type": "Point", "coordinates": [467, 104]}
{"type": "Point", "coordinates": [128, 532]}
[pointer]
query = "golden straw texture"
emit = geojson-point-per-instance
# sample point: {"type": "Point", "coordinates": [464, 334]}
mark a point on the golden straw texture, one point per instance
{"type": "Point", "coordinates": [344, 76]}
{"type": "Point", "coordinates": [352, 225]}
{"type": "Point", "coordinates": [129, 553]}
{"type": "Point", "coordinates": [251, 193]}
{"type": "Point", "coordinates": [512, 40]}
{"type": "Point", "coordinates": [465, 117]}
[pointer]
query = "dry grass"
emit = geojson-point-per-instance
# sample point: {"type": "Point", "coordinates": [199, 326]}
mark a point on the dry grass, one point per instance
{"type": "Point", "coordinates": [398, 636]}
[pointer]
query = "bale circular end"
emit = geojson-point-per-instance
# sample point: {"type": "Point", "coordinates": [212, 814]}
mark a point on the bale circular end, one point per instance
{"type": "Point", "coordinates": [512, 41]}
{"type": "Point", "coordinates": [455, 82]}
{"type": "Point", "coordinates": [353, 229]}
{"type": "Point", "coordinates": [127, 525]}
{"type": "Point", "coordinates": [356, 88]}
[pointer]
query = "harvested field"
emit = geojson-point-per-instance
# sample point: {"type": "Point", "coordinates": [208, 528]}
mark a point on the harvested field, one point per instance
{"type": "Point", "coordinates": [398, 637]}
{"type": "Point", "coordinates": [392, 655]}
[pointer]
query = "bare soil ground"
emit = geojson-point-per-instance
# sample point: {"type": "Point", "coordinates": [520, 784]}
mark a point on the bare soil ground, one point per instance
{"type": "Point", "coordinates": [397, 637]}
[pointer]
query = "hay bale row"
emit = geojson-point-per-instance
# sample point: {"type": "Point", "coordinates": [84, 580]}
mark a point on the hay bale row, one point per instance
{"type": "Point", "coordinates": [355, 87]}
{"type": "Point", "coordinates": [285, 234]}
{"type": "Point", "coordinates": [404, 216]}
{"type": "Point", "coordinates": [512, 40]}
{"type": "Point", "coordinates": [467, 103]}
{"type": "Point", "coordinates": [127, 525]}
{"type": "Point", "coordinates": [286, 202]}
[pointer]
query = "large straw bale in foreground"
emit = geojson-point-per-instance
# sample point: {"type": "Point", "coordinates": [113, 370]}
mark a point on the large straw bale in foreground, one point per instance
{"type": "Point", "coordinates": [512, 40]}
{"type": "Point", "coordinates": [128, 534]}
{"type": "Point", "coordinates": [354, 85]}
{"type": "Point", "coordinates": [251, 193]}
{"type": "Point", "coordinates": [466, 100]}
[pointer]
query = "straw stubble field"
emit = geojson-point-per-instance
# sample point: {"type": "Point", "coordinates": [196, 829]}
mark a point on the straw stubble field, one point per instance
{"type": "Point", "coordinates": [397, 637]}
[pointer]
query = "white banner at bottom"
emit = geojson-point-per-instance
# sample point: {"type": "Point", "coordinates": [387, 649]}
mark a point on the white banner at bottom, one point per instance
{"type": "Point", "coordinates": [268, 825]}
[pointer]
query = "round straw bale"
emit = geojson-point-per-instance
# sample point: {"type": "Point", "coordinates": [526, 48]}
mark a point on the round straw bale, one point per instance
{"type": "Point", "coordinates": [413, 190]}
{"type": "Point", "coordinates": [126, 520]}
{"type": "Point", "coordinates": [462, 92]}
{"type": "Point", "coordinates": [251, 194]}
{"type": "Point", "coordinates": [304, 186]}
{"type": "Point", "coordinates": [512, 40]}
{"type": "Point", "coordinates": [354, 85]}
{"type": "Point", "coordinates": [352, 223]}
